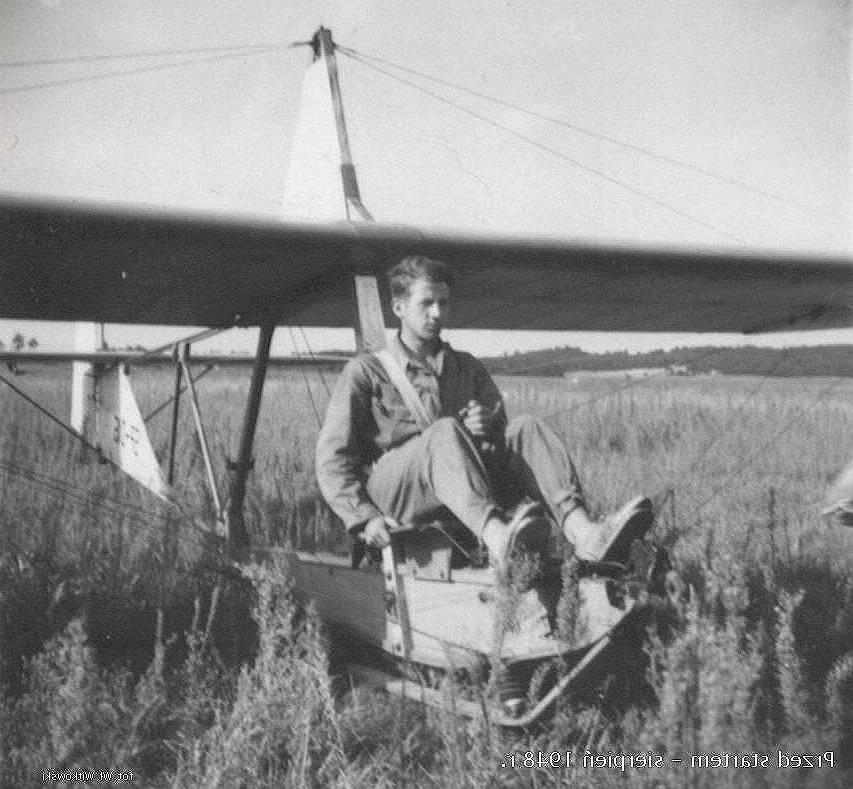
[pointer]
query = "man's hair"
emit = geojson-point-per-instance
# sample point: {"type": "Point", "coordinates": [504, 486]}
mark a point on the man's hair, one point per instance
{"type": "Point", "coordinates": [409, 269]}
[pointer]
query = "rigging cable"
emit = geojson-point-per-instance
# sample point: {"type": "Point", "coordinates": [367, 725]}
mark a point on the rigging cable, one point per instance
{"type": "Point", "coordinates": [589, 132]}
{"type": "Point", "coordinates": [67, 488]}
{"type": "Point", "coordinates": [50, 415]}
{"type": "Point", "coordinates": [151, 53]}
{"type": "Point", "coordinates": [166, 403]}
{"type": "Point", "coordinates": [118, 508]}
{"type": "Point", "coordinates": [553, 151]}
{"type": "Point", "coordinates": [629, 385]}
{"type": "Point", "coordinates": [314, 360]}
{"type": "Point", "coordinates": [305, 379]}
{"type": "Point", "coordinates": [767, 444]}
{"type": "Point", "coordinates": [661, 495]}
{"type": "Point", "coordinates": [718, 434]}
{"type": "Point", "coordinates": [132, 71]}
{"type": "Point", "coordinates": [111, 504]}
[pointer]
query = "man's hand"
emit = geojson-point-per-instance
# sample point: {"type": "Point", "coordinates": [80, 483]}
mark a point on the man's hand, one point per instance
{"type": "Point", "coordinates": [375, 531]}
{"type": "Point", "coordinates": [478, 419]}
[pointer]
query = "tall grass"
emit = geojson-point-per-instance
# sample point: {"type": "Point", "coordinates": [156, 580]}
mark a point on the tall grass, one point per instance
{"type": "Point", "coordinates": [127, 645]}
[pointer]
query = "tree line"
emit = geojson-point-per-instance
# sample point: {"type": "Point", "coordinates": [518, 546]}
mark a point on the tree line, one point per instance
{"type": "Point", "coordinates": [821, 360]}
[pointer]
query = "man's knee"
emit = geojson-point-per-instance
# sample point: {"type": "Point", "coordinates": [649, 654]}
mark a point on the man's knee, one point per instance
{"type": "Point", "coordinates": [523, 424]}
{"type": "Point", "coordinates": [527, 433]}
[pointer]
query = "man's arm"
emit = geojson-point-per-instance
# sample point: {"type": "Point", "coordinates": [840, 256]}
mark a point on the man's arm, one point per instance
{"type": "Point", "coordinates": [343, 449]}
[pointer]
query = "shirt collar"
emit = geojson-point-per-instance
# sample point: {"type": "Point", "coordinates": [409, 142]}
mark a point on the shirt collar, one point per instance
{"type": "Point", "coordinates": [405, 358]}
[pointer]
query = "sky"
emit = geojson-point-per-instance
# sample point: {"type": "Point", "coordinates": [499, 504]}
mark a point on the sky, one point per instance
{"type": "Point", "coordinates": [757, 94]}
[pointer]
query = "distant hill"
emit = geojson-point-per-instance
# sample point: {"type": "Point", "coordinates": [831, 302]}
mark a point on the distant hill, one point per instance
{"type": "Point", "coordinates": [821, 360]}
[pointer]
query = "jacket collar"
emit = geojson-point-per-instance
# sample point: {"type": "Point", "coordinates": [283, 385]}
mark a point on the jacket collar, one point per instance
{"type": "Point", "coordinates": [407, 358]}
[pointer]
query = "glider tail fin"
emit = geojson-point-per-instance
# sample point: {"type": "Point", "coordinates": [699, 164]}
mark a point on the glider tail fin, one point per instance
{"type": "Point", "coordinates": [105, 413]}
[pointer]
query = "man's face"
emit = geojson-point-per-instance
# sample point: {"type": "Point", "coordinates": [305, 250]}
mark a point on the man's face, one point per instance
{"type": "Point", "coordinates": [424, 311]}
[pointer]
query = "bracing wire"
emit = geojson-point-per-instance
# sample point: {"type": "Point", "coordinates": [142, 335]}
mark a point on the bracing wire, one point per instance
{"type": "Point", "coordinates": [152, 53]}
{"type": "Point", "coordinates": [554, 152]}
{"type": "Point", "coordinates": [113, 505]}
{"type": "Point", "coordinates": [718, 434]}
{"type": "Point", "coordinates": [166, 403]}
{"type": "Point", "coordinates": [671, 160]}
{"type": "Point", "coordinates": [631, 384]}
{"type": "Point", "coordinates": [305, 380]}
{"type": "Point", "coordinates": [314, 359]}
{"type": "Point", "coordinates": [148, 519]}
{"type": "Point", "coordinates": [129, 72]}
{"type": "Point", "coordinates": [69, 489]}
{"type": "Point", "coordinates": [55, 419]}
{"type": "Point", "coordinates": [107, 504]}
{"type": "Point", "coordinates": [823, 393]}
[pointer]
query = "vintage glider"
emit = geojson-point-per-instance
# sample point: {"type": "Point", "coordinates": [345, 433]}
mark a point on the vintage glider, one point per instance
{"type": "Point", "coordinates": [426, 605]}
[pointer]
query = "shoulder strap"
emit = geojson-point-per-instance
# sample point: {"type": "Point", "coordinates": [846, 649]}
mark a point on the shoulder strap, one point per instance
{"type": "Point", "coordinates": [404, 386]}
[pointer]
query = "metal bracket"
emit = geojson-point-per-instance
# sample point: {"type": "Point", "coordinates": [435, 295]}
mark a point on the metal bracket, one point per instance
{"type": "Point", "coordinates": [398, 631]}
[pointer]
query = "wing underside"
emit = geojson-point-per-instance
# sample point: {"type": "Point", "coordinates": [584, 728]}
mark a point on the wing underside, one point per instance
{"type": "Point", "coordinates": [80, 262]}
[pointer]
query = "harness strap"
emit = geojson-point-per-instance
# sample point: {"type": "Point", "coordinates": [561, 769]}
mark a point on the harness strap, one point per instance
{"type": "Point", "coordinates": [404, 386]}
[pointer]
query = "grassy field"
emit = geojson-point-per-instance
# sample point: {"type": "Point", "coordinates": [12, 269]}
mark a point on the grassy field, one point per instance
{"type": "Point", "coordinates": [125, 647]}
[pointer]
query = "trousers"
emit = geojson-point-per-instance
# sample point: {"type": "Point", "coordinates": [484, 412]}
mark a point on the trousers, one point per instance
{"type": "Point", "coordinates": [444, 469]}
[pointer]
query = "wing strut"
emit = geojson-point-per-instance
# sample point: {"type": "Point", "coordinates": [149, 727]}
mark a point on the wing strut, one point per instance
{"type": "Point", "coordinates": [238, 536]}
{"type": "Point", "coordinates": [173, 435]}
{"type": "Point", "coordinates": [183, 353]}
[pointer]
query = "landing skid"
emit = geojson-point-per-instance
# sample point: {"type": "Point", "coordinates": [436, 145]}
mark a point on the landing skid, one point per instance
{"type": "Point", "coordinates": [433, 697]}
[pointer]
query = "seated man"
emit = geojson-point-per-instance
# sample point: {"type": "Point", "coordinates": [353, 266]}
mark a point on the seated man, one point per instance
{"type": "Point", "coordinates": [421, 426]}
